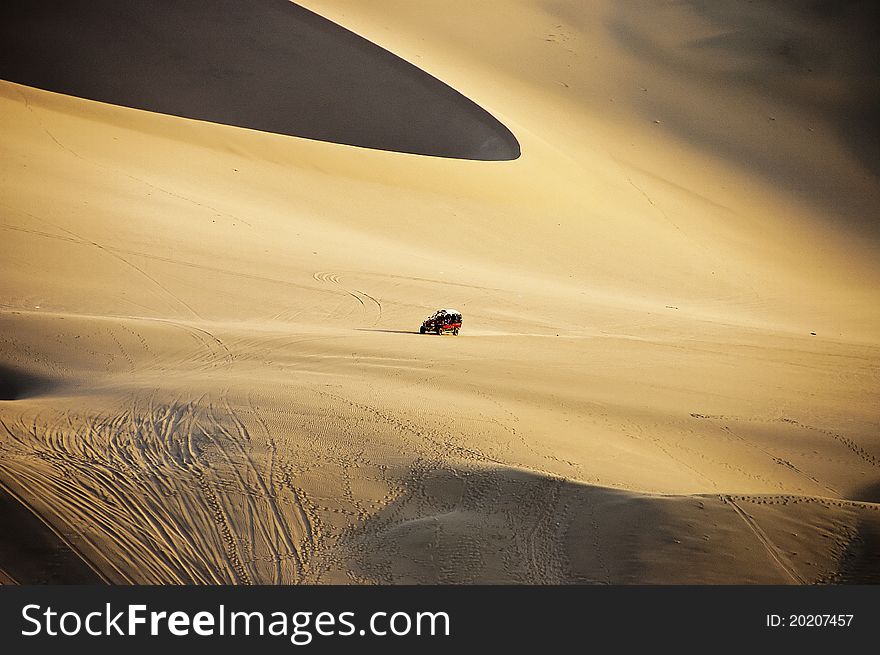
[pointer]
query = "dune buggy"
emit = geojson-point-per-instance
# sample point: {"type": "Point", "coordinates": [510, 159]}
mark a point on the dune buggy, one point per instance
{"type": "Point", "coordinates": [442, 321]}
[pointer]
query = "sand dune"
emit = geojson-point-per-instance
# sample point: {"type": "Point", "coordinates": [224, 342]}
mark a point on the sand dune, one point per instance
{"type": "Point", "coordinates": [268, 65]}
{"type": "Point", "coordinates": [668, 370]}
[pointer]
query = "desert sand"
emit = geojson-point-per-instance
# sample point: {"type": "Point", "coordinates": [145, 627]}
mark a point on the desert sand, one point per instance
{"type": "Point", "coordinates": [210, 366]}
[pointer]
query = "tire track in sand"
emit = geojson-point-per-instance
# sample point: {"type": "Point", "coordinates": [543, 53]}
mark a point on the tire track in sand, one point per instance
{"type": "Point", "coordinates": [165, 492]}
{"type": "Point", "coordinates": [265, 523]}
{"type": "Point", "coordinates": [309, 525]}
{"type": "Point", "coordinates": [110, 252]}
{"type": "Point", "coordinates": [848, 443]}
{"type": "Point", "coordinates": [363, 298]}
{"type": "Point", "coordinates": [775, 554]}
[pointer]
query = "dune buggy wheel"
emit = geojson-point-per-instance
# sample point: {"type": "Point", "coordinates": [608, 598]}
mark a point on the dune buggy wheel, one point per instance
{"type": "Point", "coordinates": [422, 329]}
{"type": "Point", "coordinates": [455, 332]}
{"type": "Point", "coordinates": [439, 331]}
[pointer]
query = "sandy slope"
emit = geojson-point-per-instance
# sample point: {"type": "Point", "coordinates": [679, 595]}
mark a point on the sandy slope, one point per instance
{"type": "Point", "coordinates": [210, 366]}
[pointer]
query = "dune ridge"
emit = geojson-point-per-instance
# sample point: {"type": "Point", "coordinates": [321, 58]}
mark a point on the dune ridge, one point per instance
{"type": "Point", "coordinates": [270, 65]}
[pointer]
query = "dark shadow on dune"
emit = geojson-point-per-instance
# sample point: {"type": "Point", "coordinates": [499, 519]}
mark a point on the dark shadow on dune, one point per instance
{"type": "Point", "coordinates": [869, 494]}
{"type": "Point", "coordinates": [456, 526]}
{"type": "Point", "coordinates": [31, 553]}
{"type": "Point", "coordinates": [860, 563]}
{"type": "Point", "coordinates": [16, 384]}
{"type": "Point", "coordinates": [267, 65]}
{"type": "Point", "coordinates": [851, 56]}
{"type": "Point", "coordinates": [770, 47]}
{"type": "Point", "coordinates": [508, 526]}
{"type": "Point", "coordinates": [511, 526]}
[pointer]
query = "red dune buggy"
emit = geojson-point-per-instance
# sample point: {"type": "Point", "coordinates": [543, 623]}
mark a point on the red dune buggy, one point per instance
{"type": "Point", "coordinates": [442, 321]}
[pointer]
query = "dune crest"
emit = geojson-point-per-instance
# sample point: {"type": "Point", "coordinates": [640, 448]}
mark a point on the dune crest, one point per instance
{"type": "Point", "coordinates": [267, 65]}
